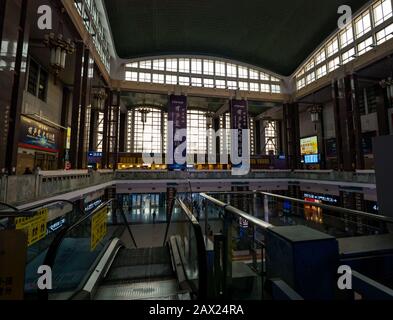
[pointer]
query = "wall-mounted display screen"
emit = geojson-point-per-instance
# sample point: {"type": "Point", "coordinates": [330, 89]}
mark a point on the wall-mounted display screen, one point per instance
{"type": "Point", "coordinates": [309, 146]}
{"type": "Point", "coordinates": [311, 159]}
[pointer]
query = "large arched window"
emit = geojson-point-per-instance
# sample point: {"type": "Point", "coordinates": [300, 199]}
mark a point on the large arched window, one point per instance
{"type": "Point", "coordinates": [196, 132]}
{"type": "Point", "coordinates": [204, 72]}
{"type": "Point", "coordinates": [145, 130]}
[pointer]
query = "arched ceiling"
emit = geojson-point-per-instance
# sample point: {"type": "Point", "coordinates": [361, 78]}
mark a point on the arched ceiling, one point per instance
{"type": "Point", "coordinates": [276, 35]}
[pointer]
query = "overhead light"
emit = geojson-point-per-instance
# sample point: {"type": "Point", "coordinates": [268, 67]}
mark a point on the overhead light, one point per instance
{"type": "Point", "coordinates": [99, 98]}
{"type": "Point", "coordinates": [59, 48]}
{"type": "Point", "coordinates": [144, 112]}
{"type": "Point", "coordinates": [315, 111]}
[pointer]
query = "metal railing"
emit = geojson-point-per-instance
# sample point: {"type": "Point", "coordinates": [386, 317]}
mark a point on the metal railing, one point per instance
{"type": "Point", "coordinates": [372, 216]}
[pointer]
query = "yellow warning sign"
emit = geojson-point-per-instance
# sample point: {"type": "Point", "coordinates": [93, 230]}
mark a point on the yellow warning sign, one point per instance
{"type": "Point", "coordinates": [34, 227]}
{"type": "Point", "coordinates": [98, 227]}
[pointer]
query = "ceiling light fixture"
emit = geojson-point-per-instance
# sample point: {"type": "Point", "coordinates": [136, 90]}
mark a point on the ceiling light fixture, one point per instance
{"type": "Point", "coordinates": [59, 48]}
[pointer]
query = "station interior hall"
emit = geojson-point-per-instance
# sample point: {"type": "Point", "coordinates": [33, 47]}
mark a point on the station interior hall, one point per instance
{"type": "Point", "coordinates": [196, 150]}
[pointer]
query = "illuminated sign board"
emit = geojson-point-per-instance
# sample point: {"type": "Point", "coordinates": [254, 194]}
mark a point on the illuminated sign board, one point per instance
{"type": "Point", "coordinates": [311, 159]}
{"type": "Point", "coordinates": [309, 146]}
{"type": "Point", "coordinates": [323, 198]}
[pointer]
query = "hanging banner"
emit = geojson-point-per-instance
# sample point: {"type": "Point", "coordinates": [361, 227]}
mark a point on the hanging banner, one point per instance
{"type": "Point", "coordinates": [177, 126]}
{"type": "Point", "coordinates": [34, 227]}
{"type": "Point", "coordinates": [239, 121]}
{"type": "Point", "coordinates": [98, 227]}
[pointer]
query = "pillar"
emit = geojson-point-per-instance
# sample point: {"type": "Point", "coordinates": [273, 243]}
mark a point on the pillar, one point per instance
{"type": "Point", "coordinates": [105, 141]}
{"type": "Point", "coordinates": [85, 99]}
{"type": "Point", "coordinates": [258, 143]}
{"type": "Point", "coordinates": [357, 124]}
{"type": "Point", "coordinates": [382, 110]}
{"type": "Point", "coordinates": [348, 117]}
{"type": "Point", "coordinates": [76, 104]}
{"type": "Point", "coordinates": [15, 31]}
{"type": "Point", "coordinates": [122, 134]}
{"type": "Point", "coordinates": [64, 152]}
{"type": "Point", "coordinates": [93, 129]}
{"type": "Point", "coordinates": [292, 135]}
{"type": "Point", "coordinates": [336, 108]}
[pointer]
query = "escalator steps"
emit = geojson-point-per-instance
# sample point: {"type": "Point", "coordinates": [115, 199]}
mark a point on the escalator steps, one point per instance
{"type": "Point", "coordinates": [155, 290]}
{"type": "Point", "coordinates": [138, 257]}
{"type": "Point", "coordinates": [140, 264]}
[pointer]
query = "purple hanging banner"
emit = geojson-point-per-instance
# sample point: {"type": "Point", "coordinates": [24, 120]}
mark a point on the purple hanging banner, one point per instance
{"type": "Point", "coordinates": [239, 121]}
{"type": "Point", "coordinates": [177, 132]}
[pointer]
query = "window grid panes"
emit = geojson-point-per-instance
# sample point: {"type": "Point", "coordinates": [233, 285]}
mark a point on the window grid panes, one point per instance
{"type": "Point", "coordinates": [184, 65]}
{"type": "Point", "coordinates": [196, 66]}
{"type": "Point", "coordinates": [158, 78]}
{"type": "Point", "coordinates": [196, 82]}
{"type": "Point", "coordinates": [208, 67]}
{"type": "Point", "coordinates": [321, 71]}
{"type": "Point", "coordinates": [363, 24]}
{"type": "Point", "coordinates": [224, 75]}
{"type": "Point", "coordinates": [332, 47]}
{"type": "Point", "coordinates": [382, 11]}
{"type": "Point", "coordinates": [147, 135]}
{"type": "Point", "coordinates": [196, 132]}
{"type": "Point", "coordinates": [321, 57]}
{"type": "Point", "coordinates": [353, 35]}
{"type": "Point", "coordinates": [346, 36]}
{"type": "Point", "coordinates": [171, 65]}
{"type": "Point", "coordinates": [385, 34]}
{"type": "Point", "coordinates": [365, 46]}
{"type": "Point", "coordinates": [271, 137]}
{"type": "Point", "coordinates": [348, 55]}
{"type": "Point", "coordinates": [220, 69]}
{"type": "Point", "coordinates": [231, 70]}
{"type": "Point", "coordinates": [159, 64]}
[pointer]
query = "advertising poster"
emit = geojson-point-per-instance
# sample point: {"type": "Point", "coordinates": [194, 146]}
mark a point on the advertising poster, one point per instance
{"type": "Point", "coordinates": [331, 148]}
{"type": "Point", "coordinates": [177, 114]}
{"type": "Point", "coordinates": [35, 135]}
{"type": "Point", "coordinates": [309, 146]}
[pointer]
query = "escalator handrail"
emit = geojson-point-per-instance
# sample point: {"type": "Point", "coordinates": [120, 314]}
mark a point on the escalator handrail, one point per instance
{"type": "Point", "coordinates": [27, 212]}
{"type": "Point", "coordinates": [303, 202]}
{"type": "Point", "coordinates": [170, 212]}
{"type": "Point", "coordinates": [201, 251]}
{"type": "Point", "coordinates": [227, 207]}
{"type": "Point", "coordinates": [9, 206]}
{"type": "Point", "coordinates": [55, 245]}
{"type": "Point", "coordinates": [330, 208]}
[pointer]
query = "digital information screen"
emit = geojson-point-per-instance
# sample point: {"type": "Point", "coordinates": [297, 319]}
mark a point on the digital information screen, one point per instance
{"type": "Point", "coordinates": [311, 159]}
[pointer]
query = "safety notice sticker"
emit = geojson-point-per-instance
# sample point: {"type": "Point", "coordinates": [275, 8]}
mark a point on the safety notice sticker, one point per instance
{"type": "Point", "coordinates": [34, 227]}
{"type": "Point", "coordinates": [98, 227]}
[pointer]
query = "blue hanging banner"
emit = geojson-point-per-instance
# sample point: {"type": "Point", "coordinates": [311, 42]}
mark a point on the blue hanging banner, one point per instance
{"type": "Point", "coordinates": [177, 129]}
{"type": "Point", "coordinates": [239, 121]}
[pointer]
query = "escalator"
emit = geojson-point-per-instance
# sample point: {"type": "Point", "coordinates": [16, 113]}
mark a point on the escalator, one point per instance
{"type": "Point", "coordinates": [114, 270]}
{"type": "Point", "coordinates": [141, 274]}
{"type": "Point", "coordinates": [134, 274]}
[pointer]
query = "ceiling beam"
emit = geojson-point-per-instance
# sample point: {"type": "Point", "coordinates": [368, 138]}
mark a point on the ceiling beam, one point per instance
{"type": "Point", "coordinates": [224, 108]}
